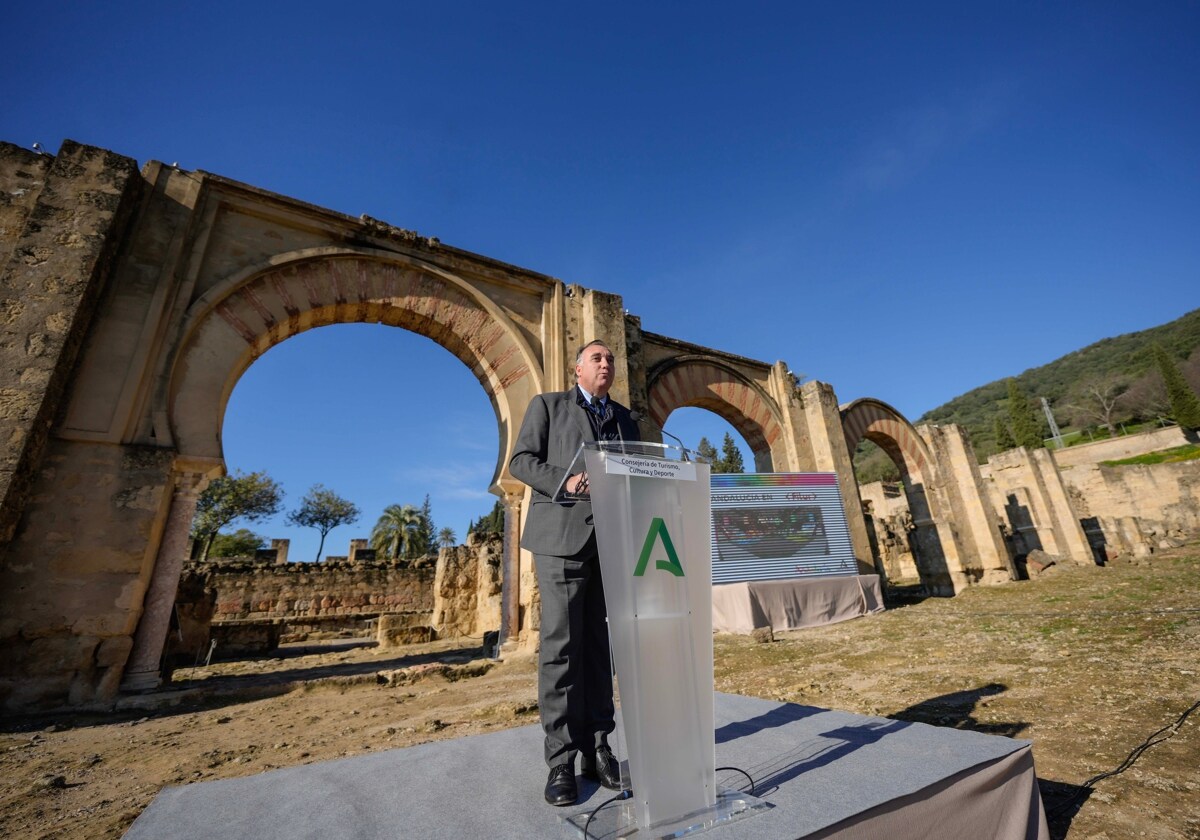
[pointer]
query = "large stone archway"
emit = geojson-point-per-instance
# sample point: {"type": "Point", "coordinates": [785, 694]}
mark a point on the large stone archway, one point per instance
{"type": "Point", "coordinates": [876, 421]}
{"type": "Point", "coordinates": [133, 301]}
{"type": "Point", "coordinates": [955, 535]}
{"type": "Point", "coordinates": [180, 280]}
{"type": "Point", "coordinates": [239, 320]}
{"type": "Point", "coordinates": [705, 381]}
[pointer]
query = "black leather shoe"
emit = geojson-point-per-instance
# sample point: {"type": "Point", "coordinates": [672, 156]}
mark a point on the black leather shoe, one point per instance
{"type": "Point", "coordinates": [603, 768]}
{"type": "Point", "coordinates": [560, 787]}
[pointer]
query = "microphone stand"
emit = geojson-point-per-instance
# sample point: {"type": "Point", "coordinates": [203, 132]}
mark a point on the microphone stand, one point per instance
{"type": "Point", "coordinates": [637, 417]}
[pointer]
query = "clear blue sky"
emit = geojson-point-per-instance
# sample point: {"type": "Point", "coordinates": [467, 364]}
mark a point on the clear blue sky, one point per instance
{"type": "Point", "coordinates": [905, 200]}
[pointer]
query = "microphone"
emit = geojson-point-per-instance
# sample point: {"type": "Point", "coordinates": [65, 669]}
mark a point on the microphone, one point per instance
{"type": "Point", "coordinates": [637, 417]}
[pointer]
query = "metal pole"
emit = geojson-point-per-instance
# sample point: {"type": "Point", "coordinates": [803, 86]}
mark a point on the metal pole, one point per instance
{"type": "Point", "coordinates": [1054, 432]}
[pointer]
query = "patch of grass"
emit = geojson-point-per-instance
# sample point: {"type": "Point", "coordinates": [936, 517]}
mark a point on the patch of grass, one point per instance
{"type": "Point", "coordinates": [1178, 454]}
{"type": "Point", "coordinates": [1057, 625]}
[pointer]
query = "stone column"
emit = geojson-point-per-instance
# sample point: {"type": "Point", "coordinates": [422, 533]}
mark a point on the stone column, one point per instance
{"type": "Point", "coordinates": [1072, 541]}
{"type": "Point", "coordinates": [143, 670]}
{"type": "Point", "coordinates": [974, 517]}
{"type": "Point", "coordinates": [792, 452]}
{"type": "Point", "coordinates": [510, 591]}
{"type": "Point", "coordinates": [831, 454]}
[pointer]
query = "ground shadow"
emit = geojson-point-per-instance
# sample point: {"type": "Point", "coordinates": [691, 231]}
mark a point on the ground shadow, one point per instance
{"type": "Point", "coordinates": [779, 716]}
{"type": "Point", "coordinates": [838, 743]}
{"type": "Point", "coordinates": [326, 671]}
{"type": "Point", "coordinates": [903, 595]}
{"type": "Point", "coordinates": [295, 650]}
{"type": "Point", "coordinates": [214, 692]}
{"type": "Point", "coordinates": [1097, 541]}
{"type": "Point", "coordinates": [1062, 802]}
{"type": "Point", "coordinates": [956, 710]}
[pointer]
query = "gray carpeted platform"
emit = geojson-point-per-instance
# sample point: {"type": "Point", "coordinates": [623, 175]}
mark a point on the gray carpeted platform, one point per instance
{"type": "Point", "coordinates": [817, 768]}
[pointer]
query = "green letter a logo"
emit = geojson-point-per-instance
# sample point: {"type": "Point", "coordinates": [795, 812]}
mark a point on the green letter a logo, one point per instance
{"type": "Point", "coordinates": [659, 529]}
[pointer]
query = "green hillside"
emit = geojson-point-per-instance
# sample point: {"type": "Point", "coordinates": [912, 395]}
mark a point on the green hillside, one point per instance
{"type": "Point", "coordinates": [1124, 362]}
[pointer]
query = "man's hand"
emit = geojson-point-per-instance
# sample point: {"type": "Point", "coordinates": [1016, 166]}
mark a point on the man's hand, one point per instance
{"type": "Point", "coordinates": [577, 484]}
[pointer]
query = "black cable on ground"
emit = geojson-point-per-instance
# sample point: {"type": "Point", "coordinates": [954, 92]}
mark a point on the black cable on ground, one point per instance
{"type": "Point", "coordinates": [1165, 611]}
{"type": "Point", "coordinates": [1128, 762]}
{"type": "Point", "coordinates": [744, 773]}
{"type": "Point", "coordinates": [625, 794]}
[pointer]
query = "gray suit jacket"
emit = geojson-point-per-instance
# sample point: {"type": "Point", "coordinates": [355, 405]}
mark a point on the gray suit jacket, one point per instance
{"type": "Point", "coordinates": [554, 426]}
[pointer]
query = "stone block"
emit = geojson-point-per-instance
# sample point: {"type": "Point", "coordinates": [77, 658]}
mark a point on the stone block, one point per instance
{"type": "Point", "coordinates": [36, 691]}
{"type": "Point", "coordinates": [1038, 561]}
{"type": "Point", "coordinates": [763, 635]}
{"type": "Point", "coordinates": [113, 651]}
{"type": "Point", "coordinates": [108, 686]}
{"type": "Point", "coordinates": [62, 654]}
{"type": "Point", "coordinates": [394, 630]}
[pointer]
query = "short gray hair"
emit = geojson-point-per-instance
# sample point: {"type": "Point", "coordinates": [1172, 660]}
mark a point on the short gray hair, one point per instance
{"type": "Point", "coordinates": [592, 343]}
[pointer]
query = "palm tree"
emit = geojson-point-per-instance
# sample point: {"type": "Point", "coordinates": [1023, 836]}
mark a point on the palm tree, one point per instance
{"type": "Point", "coordinates": [396, 531]}
{"type": "Point", "coordinates": [447, 538]}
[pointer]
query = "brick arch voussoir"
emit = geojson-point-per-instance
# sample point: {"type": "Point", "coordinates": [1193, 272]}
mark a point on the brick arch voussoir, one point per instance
{"type": "Point", "coordinates": [714, 387]}
{"type": "Point", "coordinates": [878, 422]}
{"type": "Point", "coordinates": [231, 327]}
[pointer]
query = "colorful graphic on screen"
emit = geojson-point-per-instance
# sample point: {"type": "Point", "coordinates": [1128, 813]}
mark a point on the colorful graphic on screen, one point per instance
{"type": "Point", "coordinates": [764, 533]}
{"type": "Point", "coordinates": [775, 526]}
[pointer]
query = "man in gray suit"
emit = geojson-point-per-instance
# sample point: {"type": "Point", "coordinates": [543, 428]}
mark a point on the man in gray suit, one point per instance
{"type": "Point", "coordinates": [575, 692]}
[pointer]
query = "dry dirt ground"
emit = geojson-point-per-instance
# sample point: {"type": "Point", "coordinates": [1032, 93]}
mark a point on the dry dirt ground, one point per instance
{"type": "Point", "coordinates": [1097, 666]}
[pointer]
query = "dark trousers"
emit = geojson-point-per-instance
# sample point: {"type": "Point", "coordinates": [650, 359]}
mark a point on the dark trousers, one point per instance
{"type": "Point", "coordinates": [575, 690]}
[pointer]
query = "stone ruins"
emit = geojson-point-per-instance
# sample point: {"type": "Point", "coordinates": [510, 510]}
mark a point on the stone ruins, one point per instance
{"type": "Point", "coordinates": [131, 300]}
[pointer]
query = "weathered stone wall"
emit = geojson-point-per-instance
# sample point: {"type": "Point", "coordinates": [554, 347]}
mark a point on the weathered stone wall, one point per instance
{"type": "Point", "coordinates": [888, 517]}
{"type": "Point", "coordinates": [467, 588]}
{"type": "Point", "coordinates": [298, 591]}
{"type": "Point", "coordinates": [1122, 447]}
{"type": "Point", "coordinates": [234, 600]}
{"type": "Point", "coordinates": [56, 267]}
{"type": "Point", "coordinates": [1136, 509]}
{"type": "Point", "coordinates": [24, 174]}
{"type": "Point", "coordinates": [73, 577]}
{"type": "Point", "coordinates": [1027, 491]}
{"type": "Point", "coordinates": [968, 517]}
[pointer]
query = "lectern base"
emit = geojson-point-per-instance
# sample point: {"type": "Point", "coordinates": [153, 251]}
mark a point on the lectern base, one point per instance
{"type": "Point", "coordinates": [619, 820]}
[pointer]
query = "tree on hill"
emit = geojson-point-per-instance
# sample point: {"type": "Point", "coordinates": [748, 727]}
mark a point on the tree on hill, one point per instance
{"type": "Point", "coordinates": [249, 496]}
{"type": "Point", "coordinates": [241, 543]}
{"type": "Point", "coordinates": [1124, 355]}
{"type": "Point", "coordinates": [731, 457]}
{"type": "Point", "coordinates": [1098, 399]}
{"type": "Point", "coordinates": [490, 524]}
{"type": "Point", "coordinates": [323, 509]}
{"type": "Point", "coordinates": [1025, 420]}
{"type": "Point", "coordinates": [447, 538]}
{"type": "Point", "coordinates": [707, 451]}
{"type": "Point", "coordinates": [872, 464]}
{"type": "Point", "coordinates": [1185, 405]}
{"type": "Point", "coordinates": [1004, 438]}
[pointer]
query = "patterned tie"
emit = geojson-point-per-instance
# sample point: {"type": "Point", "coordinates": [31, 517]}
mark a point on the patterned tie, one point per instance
{"type": "Point", "coordinates": [599, 416]}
